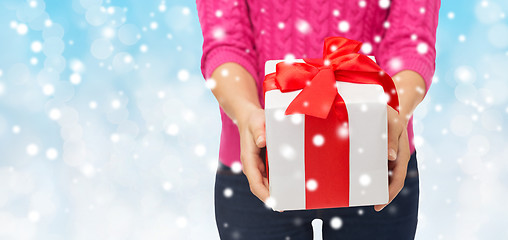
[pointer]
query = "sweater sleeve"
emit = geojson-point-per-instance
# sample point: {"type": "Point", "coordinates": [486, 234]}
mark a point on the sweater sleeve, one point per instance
{"type": "Point", "coordinates": [409, 41]}
{"type": "Point", "coordinates": [227, 35]}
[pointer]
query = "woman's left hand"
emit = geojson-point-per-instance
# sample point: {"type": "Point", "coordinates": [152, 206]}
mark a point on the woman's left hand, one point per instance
{"type": "Point", "coordinates": [398, 154]}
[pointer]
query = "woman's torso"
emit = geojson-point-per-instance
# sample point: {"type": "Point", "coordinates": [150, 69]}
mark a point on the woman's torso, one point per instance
{"type": "Point", "coordinates": [297, 29]}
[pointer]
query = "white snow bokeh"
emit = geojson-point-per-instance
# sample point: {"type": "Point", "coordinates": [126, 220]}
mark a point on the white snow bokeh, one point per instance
{"type": "Point", "coordinates": [98, 129]}
{"type": "Point", "coordinates": [460, 126]}
{"type": "Point", "coordinates": [108, 130]}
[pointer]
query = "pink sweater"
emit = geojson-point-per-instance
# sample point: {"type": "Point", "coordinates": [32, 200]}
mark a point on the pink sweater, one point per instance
{"type": "Point", "coordinates": [401, 34]}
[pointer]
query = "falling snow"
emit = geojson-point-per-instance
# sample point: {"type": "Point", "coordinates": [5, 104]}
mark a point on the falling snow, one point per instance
{"type": "Point", "coordinates": [318, 140]}
{"type": "Point", "coordinates": [344, 26]}
{"type": "Point", "coordinates": [303, 26]}
{"type": "Point", "coordinates": [228, 192]}
{"type": "Point", "coordinates": [311, 185]}
{"type": "Point", "coordinates": [104, 99]}
{"type": "Point", "coordinates": [336, 223]}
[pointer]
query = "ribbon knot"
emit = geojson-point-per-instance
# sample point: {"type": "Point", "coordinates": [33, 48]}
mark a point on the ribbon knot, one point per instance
{"type": "Point", "coordinates": [317, 78]}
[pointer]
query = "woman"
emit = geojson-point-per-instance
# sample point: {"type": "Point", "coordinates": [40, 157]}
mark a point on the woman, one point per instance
{"type": "Point", "coordinates": [240, 35]}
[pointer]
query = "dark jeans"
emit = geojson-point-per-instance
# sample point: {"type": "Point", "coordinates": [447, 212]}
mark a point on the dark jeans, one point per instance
{"type": "Point", "coordinates": [241, 215]}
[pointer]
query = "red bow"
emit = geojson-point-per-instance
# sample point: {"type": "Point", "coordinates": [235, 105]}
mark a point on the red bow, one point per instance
{"type": "Point", "coordinates": [341, 62]}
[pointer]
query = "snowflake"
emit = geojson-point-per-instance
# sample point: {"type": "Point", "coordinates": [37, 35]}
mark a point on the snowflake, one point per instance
{"type": "Point", "coordinates": [336, 222]}
{"type": "Point", "coordinates": [114, 137]}
{"type": "Point", "coordinates": [92, 105]}
{"type": "Point", "coordinates": [115, 104]}
{"type": "Point", "coordinates": [360, 212]}
{"type": "Point", "coordinates": [36, 46]}
{"type": "Point", "coordinates": [211, 83]}
{"type": "Point", "coordinates": [343, 26]}
{"type": "Point", "coordinates": [318, 140]}
{"type": "Point", "coordinates": [270, 202]}
{"type": "Point", "coordinates": [462, 38]}
{"type": "Point", "coordinates": [75, 78]}
{"type": "Point", "coordinates": [343, 131]}
{"type": "Point", "coordinates": [367, 48]}
{"type": "Point", "coordinates": [154, 25]}
{"type": "Point", "coordinates": [219, 33]}
{"type": "Point", "coordinates": [172, 129]}
{"type": "Point", "coordinates": [167, 186]}
{"type": "Point", "coordinates": [162, 7]}
{"type": "Point", "coordinates": [88, 170]}
{"type": "Point", "coordinates": [51, 153]}
{"type": "Point", "coordinates": [365, 180]}
{"type": "Point", "coordinates": [464, 74]}
{"type": "Point", "coordinates": [303, 26]}
{"type": "Point", "coordinates": [296, 119]}
{"type": "Point", "coordinates": [185, 11]}
{"type": "Point", "coordinates": [228, 192]}
{"type": "Point", "coordinates": [32, 149]}
{"type": "Point", "coordinates": [218, 13]}
{"type": "Point", "coordinates": [55, 114]}
{"type": "Point", "coordinates": [34, 216]}
{"type": "Point", "coordinates": [33, 4]}
{"type": "Point", "coordinates": [22, 29]}
{"type": "Point", "coordinates": [384, 4]}
{"type": "Point", "coordinates": [183, 75]}
{"type": "Point", "coordinates": [143, 48]}
{"type": "Point", "coordinates": [181, 222]}
{"type": "Point", "coordinates": [422, 48]}
{"type": "Point", "coordinates": [386, 24]}
{"type": "Point", "coordinates": [287, 151]}
{"type": "Point", "coordinates": [33, 61]}
{"type": "Point", "coordinates": [289, 58]}
{"type": "Point", "coordinates": [200, 150]}
{"type": "Point", "coordinates": [311, 185]}
{"type": "Point", "coordinates": [279, 115]}
{"type": "Point", "coordinates": [395, 64]}
{"type": "Point", "coordinates": [236, 167]}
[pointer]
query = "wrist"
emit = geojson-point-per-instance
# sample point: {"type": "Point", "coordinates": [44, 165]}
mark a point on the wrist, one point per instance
{"type": "Point", "coordinates": [404, 118]}
{"type": "Point", "coordinates": [244, 112]}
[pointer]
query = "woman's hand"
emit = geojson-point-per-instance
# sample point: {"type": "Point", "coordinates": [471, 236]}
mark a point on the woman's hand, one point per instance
{"type": "Point", "coordinates": [236, 92]}
{"type": "Point", "coordinates": [398, 154]}
{"type": "Point", "coordinates": [252, 139]}
{"type": "Point", "coordinates": [410, 88]}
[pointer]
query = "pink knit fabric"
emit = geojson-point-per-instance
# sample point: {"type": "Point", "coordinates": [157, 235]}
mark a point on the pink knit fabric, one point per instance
{"type": "Point", "coordinates": [401, 34]}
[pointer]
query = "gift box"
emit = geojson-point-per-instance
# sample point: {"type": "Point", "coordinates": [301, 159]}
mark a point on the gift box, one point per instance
{"type": "Point", "coordinates": [326, 129]}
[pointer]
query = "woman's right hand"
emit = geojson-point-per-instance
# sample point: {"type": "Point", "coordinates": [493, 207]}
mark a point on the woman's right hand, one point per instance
{"type": "Point", "coordinates": [252, 139]}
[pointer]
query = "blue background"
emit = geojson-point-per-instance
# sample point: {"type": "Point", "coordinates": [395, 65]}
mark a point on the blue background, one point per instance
{"type": "Point", "coordinates": [107, 130]}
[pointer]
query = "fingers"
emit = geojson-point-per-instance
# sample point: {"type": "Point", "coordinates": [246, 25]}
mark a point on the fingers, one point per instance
{"type": "Point", "coordinates": [252, 139]}
{"type": "Point", "coordinates": [394, 131]}
{"type": "Point", "coordinates": [398, 174]}
{"type": "Point", "coordinates": [396, 184]}
{"type": "Point", "coordinates": [258, 184]}
{"type": "Point", "coordinates": [254, 168]}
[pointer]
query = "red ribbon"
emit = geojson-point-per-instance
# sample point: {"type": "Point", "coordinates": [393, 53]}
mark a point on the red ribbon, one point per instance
{"type": "Point", "coordinates": [341, 62]}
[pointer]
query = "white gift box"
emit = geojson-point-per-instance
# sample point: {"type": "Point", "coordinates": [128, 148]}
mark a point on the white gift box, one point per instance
{"type": "Point", "coordinates": [285, 142]}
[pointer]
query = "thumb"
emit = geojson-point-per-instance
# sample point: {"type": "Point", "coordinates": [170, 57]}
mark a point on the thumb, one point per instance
{"type": "Point", "coordinates": [259, 136]}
